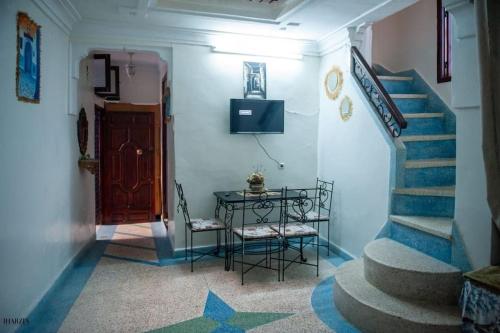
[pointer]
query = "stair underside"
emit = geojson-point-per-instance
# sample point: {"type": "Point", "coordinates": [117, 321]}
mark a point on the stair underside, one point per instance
{"type": "Point", "coordinates": [372, 310]}
{"type": "Point", "coordinates": [439, 191]}
{"type": "Point", "coordinates": [440, 227]}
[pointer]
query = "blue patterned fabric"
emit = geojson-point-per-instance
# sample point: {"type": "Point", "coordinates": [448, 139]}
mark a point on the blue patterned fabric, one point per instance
{"type": "Point", "coordinates": [480, 309]}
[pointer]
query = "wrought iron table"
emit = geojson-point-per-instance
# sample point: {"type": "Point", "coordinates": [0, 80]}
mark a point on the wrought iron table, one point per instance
{"type": "Point", "coordinates": [231, 201]}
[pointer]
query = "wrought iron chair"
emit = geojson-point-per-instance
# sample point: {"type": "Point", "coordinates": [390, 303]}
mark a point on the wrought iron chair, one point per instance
{"type": "Point", "coordinates": [256, 237]}
{"type": "Point", "coordinates": [298, 202]}
{"type": "Point", "coordinates": [321, 211]}
{"type": "Point", "coordinates": [197, 225]}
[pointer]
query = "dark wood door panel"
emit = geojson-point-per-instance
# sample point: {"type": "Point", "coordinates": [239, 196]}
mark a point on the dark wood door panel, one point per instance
{"type": "Point", "coordinates": [128, 168]}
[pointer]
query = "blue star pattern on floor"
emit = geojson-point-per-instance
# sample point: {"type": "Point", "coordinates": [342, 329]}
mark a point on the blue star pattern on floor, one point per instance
{"type": "Point", "coordinates": [219, 317]}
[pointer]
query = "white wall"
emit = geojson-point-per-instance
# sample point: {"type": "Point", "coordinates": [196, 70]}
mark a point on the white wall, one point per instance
{"type": "Point", "coordinates": [357, 155]}
{"type": "Point", "coordinates": [472, 213]}
{"type": "Point", "coordinates": [210, 159]}
{"type": "Point", "coordinates": [46, 201]}
{"type": "Point", "coordinates": [408, 40]}
{"type": "Point", "coordinates": [143, 88]}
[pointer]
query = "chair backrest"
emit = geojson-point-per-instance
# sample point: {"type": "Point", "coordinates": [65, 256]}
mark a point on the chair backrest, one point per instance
{"type": "Point", "coordinates": [324, 196]}
{"type": "Point", "coordinates": [299, 202]}
{"type": "Point", "coordinates": [182, 203]}
{"type": "Point", "coordinates": [259, 208]}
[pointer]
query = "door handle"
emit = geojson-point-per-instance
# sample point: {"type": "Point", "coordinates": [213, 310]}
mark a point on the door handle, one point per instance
{"type": "Point", "coordinates": [139, 151]}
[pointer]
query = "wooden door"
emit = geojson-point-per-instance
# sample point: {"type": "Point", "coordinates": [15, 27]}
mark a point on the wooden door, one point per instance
{"type": "Point", "coordinates": [128, 169]}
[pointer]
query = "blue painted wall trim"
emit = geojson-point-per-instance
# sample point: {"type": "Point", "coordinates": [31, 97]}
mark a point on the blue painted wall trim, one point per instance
{"type": "Point", "coordinates": [54, 306]}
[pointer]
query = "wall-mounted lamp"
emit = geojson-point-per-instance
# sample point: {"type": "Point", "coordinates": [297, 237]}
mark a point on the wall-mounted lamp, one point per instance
{"type": "Point", "coordinates": [130, 67]}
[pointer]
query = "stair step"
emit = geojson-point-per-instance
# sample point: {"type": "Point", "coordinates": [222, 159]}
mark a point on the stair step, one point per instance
{"type": "Point", "coordinates": [424, 115]}
{"type": "Point", "coordinates": [429, 176]}
{"type": "Point", "coordinates": [394, 78]}
{"type": "Point", "coordinates": [422, 205]}
{"type": "Point", "coordinates": [423, 124]}
{"type": "Point", "coordinates": [433, 149]}
{"type": "Point", "coordinates": [438, 191]}
{"type": "Point", "coordinates": [372, 310]}
{"type": "Point", "coordinates": [431, 163]}
{"type": "Point", "coordinates": [408, 96]}
{"type": "Point", "coordinates": [410, 105]}
{"type": "Point", "coordinates": [431, 137]}
{"type": "Point", "coordinates": [437, 226]}
{"type": "Point", "coordinates": [404, 272]}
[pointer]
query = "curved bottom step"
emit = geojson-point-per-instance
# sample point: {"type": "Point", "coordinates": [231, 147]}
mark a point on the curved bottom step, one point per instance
{"type": "Point", "coordinates": [371, 310]}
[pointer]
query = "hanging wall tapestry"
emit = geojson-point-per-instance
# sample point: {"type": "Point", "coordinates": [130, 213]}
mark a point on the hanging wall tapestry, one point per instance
{"type": "Point", "coordinates": [28, 59]}
{"type": "Point", "coordinates": [254, 75]}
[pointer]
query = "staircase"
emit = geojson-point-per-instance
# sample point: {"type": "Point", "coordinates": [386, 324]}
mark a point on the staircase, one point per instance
{"type": "Point", "coordinates": [408, 280]}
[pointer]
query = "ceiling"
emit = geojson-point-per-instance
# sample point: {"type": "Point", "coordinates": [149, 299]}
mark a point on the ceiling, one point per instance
{"type": "Point", "coordinates": [295, 19]}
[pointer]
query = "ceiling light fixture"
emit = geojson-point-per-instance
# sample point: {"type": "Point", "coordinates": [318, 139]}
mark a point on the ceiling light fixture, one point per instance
{"type": "Point", "coordinates": [130, 67]}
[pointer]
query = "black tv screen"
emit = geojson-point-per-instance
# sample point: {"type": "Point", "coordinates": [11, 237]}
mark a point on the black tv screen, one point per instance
{"type": "Point", "coordinates": [257, 116]}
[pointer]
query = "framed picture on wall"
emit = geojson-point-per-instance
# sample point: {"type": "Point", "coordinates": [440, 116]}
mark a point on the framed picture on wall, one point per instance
{"type": "Point", "coordinates": [28, 59]}
{"type": "Point", "coordinates": [114, 89]}
{"type": "Point", "coordinates": [254, 78]}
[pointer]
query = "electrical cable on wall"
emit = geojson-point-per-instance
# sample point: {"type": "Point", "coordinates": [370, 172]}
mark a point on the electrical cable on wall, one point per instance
{"type": "Point", "coordinates": [278, 163]}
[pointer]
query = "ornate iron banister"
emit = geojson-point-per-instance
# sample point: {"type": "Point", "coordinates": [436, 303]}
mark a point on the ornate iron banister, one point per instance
{"type": "Point", "coordinates": [376, 93]}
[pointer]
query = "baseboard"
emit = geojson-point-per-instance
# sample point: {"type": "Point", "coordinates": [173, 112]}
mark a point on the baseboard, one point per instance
{"type": "Point", "coordinates": [62, 276]}
{"type": "Point", "coordinates": [343, 253]}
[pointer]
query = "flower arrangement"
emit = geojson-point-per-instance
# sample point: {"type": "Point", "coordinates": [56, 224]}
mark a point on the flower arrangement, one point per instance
{"type": "Point", "coordinates": [256, 180]}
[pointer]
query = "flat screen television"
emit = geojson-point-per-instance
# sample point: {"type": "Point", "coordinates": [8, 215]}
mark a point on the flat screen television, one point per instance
{"type": "Point", "coordinates": [257, 116]}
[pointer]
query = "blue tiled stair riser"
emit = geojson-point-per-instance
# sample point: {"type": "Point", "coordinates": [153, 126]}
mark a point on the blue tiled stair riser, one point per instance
{"type": "Point", "coordinates": [433, 246]}
{"type": "Point", "coordinates": [425, 177]}
{"type": "Point", "coordinates": [421, 150]}
{"type": "Point", "coordinates": [398, 87]}
{"type": "Point", "coordinates": [420, 205]}
{"type": "Point", "coordinates": [420, 126]}
{"type": "Point", "coordinates": [411, 105]}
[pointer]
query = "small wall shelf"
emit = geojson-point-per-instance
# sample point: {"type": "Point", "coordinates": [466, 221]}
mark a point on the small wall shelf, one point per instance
{"type": "Point", "coordinates": [89, 165]}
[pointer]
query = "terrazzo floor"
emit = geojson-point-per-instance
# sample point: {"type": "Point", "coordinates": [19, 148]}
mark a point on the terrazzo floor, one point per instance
{"type": "Point", "coordinates": [132, 288]}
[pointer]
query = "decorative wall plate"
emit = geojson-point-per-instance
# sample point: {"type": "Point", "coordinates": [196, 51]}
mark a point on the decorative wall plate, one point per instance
{"type": "Point", "coordinates": [83, 132]}
{"type": "Point", "coordinates": [333, 82]}
{"type": "Point", "coordinates": [345, 108]}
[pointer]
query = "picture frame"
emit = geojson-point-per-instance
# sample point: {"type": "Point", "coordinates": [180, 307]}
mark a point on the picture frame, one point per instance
{"type": "Point", "coordinates": [254, 80]}
{"type": "Point", "coordinates": [101, 67]}
{"type": "Point", "coordinates": [28, 59]}
{"type": "Point", "coordinates": [114, 90]}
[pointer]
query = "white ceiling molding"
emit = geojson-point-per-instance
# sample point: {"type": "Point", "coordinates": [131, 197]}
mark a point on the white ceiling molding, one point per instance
{"type": "Point", "coordinates": [126, 33]}
{"type": "Point", "coordinates": [61, 12]}
{"type": "Point", "coordinates": [263, 12]}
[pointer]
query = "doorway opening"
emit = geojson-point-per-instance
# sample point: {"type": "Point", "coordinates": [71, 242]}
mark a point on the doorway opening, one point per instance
{"type": "Point", "coordinates": [129, 136]}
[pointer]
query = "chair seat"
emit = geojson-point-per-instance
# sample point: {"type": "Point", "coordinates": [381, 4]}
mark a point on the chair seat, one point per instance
{"type": "Point", "coordinates": [207, 224]}
{"type": "Point", "coordinates": [310, 217]}
{"type": "Point", "coordinates": [297, 229]}
{"type": "Point", "coordinates": [256, 232]}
